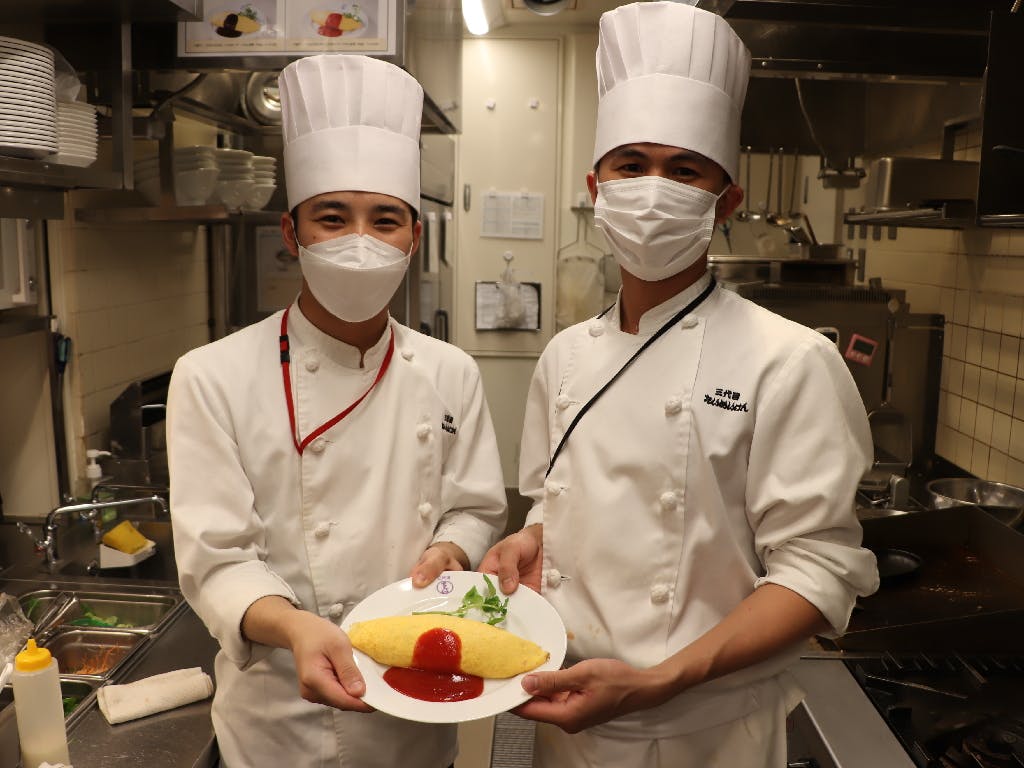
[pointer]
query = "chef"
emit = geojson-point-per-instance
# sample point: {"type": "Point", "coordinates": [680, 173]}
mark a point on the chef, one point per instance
{"type": "Point", "coordinates": [328, 451]}
{"type": "Point", "coordinates": [692, 458]}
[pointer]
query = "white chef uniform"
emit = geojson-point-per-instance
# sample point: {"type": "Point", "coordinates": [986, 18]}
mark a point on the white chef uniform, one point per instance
{"type": "Point", "coordinates": [726, 457]}
{"type": "Point", "coordinates": [415, 463]}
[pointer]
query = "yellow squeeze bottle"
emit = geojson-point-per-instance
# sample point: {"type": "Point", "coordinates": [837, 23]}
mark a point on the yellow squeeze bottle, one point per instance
{"type": "Point", "coordinates": [39, 707]}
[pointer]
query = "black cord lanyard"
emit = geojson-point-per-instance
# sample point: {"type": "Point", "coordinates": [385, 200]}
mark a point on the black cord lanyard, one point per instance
{"type": "Point", "coordinates": [657, 335]}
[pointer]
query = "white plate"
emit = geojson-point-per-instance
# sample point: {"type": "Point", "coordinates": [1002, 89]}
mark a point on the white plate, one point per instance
{"type": "Point", "coordinates": [529, 616]}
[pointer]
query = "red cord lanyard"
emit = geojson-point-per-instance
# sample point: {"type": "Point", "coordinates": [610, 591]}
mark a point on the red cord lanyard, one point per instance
{"type": "Point", "coordinates": [300, 446]}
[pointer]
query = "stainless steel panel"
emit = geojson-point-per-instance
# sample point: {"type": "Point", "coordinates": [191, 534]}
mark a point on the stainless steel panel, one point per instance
{"type": "Point", "coordinates": [914, 182]}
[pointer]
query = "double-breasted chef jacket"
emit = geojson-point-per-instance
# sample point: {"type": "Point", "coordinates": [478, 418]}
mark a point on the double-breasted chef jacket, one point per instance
{"type": "Point", "coordinates": [725, 458]}
{"type": "Point", "coordinates": [415, 463]}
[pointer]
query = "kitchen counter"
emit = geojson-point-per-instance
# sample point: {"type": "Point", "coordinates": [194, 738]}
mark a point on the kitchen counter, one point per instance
{"type": "Point", "coordinates": [178, 738]}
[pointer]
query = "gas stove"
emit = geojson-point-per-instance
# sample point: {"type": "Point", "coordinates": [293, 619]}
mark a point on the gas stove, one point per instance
{"type": "Point", "coordinates": [950, 710]}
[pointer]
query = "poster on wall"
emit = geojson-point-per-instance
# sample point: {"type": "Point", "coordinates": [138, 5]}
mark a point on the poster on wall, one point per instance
{"type": "Point", "coordinates": [290, 28]}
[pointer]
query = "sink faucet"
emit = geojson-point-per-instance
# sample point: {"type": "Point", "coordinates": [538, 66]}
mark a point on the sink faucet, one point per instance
{"type": "Point", "coordinates": [89, 511]}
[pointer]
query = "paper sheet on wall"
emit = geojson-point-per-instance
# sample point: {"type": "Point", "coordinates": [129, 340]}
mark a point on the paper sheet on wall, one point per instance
{"type": "Point", "coordinates": [488, 297]}
{"type": "Point", "coordinates": [278, 276]}
{"type": "Point", "coordinates": [517, 215]}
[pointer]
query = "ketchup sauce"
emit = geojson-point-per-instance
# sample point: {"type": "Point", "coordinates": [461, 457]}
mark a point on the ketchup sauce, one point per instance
{"type": "Point", "coordinates": [435, 675]}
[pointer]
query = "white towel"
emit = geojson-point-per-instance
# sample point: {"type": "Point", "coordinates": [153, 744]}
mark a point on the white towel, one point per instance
{"type": "Point", "coordinates": [150, 695]}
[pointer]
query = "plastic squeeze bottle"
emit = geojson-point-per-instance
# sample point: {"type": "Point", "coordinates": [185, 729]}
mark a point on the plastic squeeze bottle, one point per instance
{"type": "Point", "coordinates": [39, 708]}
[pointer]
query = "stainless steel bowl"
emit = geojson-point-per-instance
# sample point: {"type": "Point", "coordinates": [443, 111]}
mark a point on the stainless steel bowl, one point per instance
{"type": "Point", "coordinates": [1004, 501]}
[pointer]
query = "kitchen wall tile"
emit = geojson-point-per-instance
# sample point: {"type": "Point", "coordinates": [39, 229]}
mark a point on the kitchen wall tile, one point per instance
{"type": "Point", "coordinates": [931, 244]}
{"type": "Point", "coordinates": [1013, 315]}
{"type": "Point", "coordinates": [1017, 439]}
{"type": "Point", "coordinates": [947, 302]}
{"type": "Point", "coordinates": [973, 351]}
{"type": "Point", "coordinates": [1009, 352]}
{"type": "Point", "coordinates": [955, 381]}
{"type": "Point", "coordinates": [945, 441]}
{"type": "Point", "coordinates": [997, 274]}
{"type": "Point", "coordinates": [1001, 424]}
{"type": "Point", "coordinates": [1015, 242]}
{"type": "Point", "coordinates": [968, 415]}
{"type": "Point", "coordinates": [972, 380]}
{"type": "Point", "coordinates": [994, 310]}
{"type": "Point", "coordinates": [947, 343]}
{"type": "Point", "coordinates": [951, 410]}
{"type": "Point", "coordinates": [990, 350]}
{"type": "Point", "coordinates": [983, 424]}
{"type": "Point", "coordinates": [997, 466]}
{"type": "Point", "coordinates": [962, 307]}
{"type": "Point", "coordinates": [958, 341]}
{"type": "Point", "coordinates": [964, 448]}
{"type": "Point", "coordinates": [987, 388]}
{"type": "Point", "coordinates": [976, 316]}
{"type": "Point", "coordinates": [1014, 472]}
{"type": "Point", "coordinates": [1005, 388]}
{"type": "Point", "coordinates": [972, 242]}
{"type": "Point", "coordinates": [91, 331]}
{"type": "Point", "coordinates": [1018, 401]}
{"type": "Point", "coordinates": [979, 459]}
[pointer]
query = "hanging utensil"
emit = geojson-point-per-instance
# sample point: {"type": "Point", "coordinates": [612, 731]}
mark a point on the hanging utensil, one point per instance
{"type": "Point", "coordinates": [777, 217]}
{"type": "Point", "coordinates": [746, 214]}
{"type": "Point", "coordinates": [796, 181]}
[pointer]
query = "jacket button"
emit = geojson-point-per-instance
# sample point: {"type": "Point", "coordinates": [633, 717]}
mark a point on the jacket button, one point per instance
{"type": "Point", "coordinates": [423, 431]}
{"type": "Point", "coordinates": [552, 487]}
{"type": "Point", "coordinates": [596, 329]}
{"type": "Point", "coordinates": [562, 402]}
{"type": "Point", "coordinates": [322, 530]}
{"type": "Point", "coordinates": [318, 445]}
{"type": "Point", "coordinates": [425, 509]}
{"type": "Point", "coordinates": [660, 593]}
{"type": "Point", "coordinates": [673, 406]}
{"type": "Point", "coordinates": [669, 501]}
{"type": "Point", "coordinates": [688, 322]}
{"type": "Point", "coordinates": [553, 578]}
{"type": "Point", "coordinates": [407, 354]}
{"type": "Point", "coordinates": [336, 610]}
{"type": "Point", "coordinates": [312, 364]}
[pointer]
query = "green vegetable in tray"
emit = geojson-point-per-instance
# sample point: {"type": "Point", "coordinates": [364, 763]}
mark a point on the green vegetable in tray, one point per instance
{"type": "Point", "coordinates": [490, 604]}
{"type": "Point", "coordinates": [90, 619]}
{"type": "Point", "coordinates": [70, 702]}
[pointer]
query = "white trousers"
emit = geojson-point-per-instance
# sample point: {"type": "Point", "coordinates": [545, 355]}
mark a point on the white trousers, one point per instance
{"type": "Point", "coordinates": [755, 741]}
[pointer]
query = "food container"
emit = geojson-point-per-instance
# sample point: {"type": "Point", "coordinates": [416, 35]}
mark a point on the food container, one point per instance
{"type": "Point", "coordinates": [1005, 502]}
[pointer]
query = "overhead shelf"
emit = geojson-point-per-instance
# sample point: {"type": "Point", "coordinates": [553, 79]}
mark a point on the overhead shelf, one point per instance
{"type": "Point", "coordinates": [195, 214]}
{"type": "Point", "coordinates": [947, 216]}
{"type": "Point", "coordinates": [1002, 220]}
{"type": "Point", "coordinates": [39, 173]}
{"type": "Point", "coordinates": [16, 325]}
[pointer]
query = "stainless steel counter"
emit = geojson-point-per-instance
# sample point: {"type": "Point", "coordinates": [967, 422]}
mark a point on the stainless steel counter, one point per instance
{"type": "Point", "coordinates": [179, 738]}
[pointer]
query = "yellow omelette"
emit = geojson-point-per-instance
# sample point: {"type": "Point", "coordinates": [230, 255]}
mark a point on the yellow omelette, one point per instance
{"type": "Point", "coordinates": [486, 651]}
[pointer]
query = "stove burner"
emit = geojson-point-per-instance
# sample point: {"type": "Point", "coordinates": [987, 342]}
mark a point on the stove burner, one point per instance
{"type": "Point", "coordinates": [996, 743]}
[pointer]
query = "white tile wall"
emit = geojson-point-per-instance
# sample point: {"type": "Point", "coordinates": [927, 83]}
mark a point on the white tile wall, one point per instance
{"type": "Point", "coordinates": [133, 298]}
{"type": "Point", "coordinates": [976, 279]}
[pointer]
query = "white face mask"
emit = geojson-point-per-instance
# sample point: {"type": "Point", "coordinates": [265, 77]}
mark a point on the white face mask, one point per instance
{"type": "Point", "coordinates": [353, 276]}
{"type": "Point", "coordinates": [656, 227]}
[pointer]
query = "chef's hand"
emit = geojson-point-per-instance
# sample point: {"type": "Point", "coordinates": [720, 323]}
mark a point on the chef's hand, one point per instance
{"type": "Point", "coordinates": [438, 557]}
{"type": "Point", "coordinates": [323, 655]}
{"type": "Point", "coordinates": [516, 559]}
{"type": "Point", "coordinates": [590, 693]}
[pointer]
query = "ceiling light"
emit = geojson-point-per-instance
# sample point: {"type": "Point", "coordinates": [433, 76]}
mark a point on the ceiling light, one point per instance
{"type": "Point", "coordinates": [481, 16]}
{"type": "Point", "coordinates": [546, 7]}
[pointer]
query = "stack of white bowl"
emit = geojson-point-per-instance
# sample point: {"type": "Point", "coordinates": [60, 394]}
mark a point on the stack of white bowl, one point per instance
{"type": "Point", "coordinates": [28, 107]}
{"type": "Point", "coordinates": [265, 172]}
{"type": "Point", "coordinates": [76, 134]}
{"type": "Point", "coordinates": [195, 176]}
{"type": "Point", "coordinates": [237, 177]}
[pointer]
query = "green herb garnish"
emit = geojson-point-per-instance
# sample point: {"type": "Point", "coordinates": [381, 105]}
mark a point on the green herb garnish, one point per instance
{"type": "Point", "coordinates": [490, 604]}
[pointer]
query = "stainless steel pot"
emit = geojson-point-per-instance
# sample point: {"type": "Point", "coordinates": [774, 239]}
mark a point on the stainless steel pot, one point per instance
{"type": "Point", "coordinates": [1005, 502]}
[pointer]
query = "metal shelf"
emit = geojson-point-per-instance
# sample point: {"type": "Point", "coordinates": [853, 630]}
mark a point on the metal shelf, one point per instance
{"type": "Point", "coordinates": [1002, 220]}
{"type": "Point", "coordinates": [16, 325]}
{"type": "Point", "coordinates": [948, 216]}
{"type": "Point", "coordinates": [39, 173]}
{"type": "Point", "coordinates": [198, 214]}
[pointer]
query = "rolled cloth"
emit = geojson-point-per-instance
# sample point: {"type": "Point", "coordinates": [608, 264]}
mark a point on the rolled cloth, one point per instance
{"type": "Point", "coordinates": [120, 703]}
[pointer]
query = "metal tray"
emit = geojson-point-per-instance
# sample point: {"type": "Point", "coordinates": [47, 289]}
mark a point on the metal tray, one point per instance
{"type": "Point", "coordinates": [136, 612]}
{"type": "Point", "coordinates": [93, 654]}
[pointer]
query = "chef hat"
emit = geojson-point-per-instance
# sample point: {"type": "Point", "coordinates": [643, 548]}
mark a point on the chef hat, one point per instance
{"type": "Point", "coordinates": [668, 73]}
{"type": "Point", "coordinates": [350, 123]}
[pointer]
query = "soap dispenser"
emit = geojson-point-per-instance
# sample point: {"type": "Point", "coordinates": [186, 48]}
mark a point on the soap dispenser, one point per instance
{"type": "Point", "coordinates": [93, 471]}
{"type": "Point", "coordinates": [39, 707]}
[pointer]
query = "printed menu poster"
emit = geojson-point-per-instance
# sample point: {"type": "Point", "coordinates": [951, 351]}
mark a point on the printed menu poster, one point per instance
{"type": "Point", "coordinates": [290, 27]}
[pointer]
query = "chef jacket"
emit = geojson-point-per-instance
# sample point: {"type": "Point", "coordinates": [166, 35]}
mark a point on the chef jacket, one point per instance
{"type": "Point", "coordinates": [415, 463]}
{"type": "Point", "coordinates": [726, 457]}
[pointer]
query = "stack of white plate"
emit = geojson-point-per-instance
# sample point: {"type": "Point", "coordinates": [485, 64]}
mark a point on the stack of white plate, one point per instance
{"type": "Point", "coordinates": [265, 175]}
{"type": "Point", "coordinates": [195, 176]}
{"type": "Point", "coordinates": [237, 177]}
{"type": "Point", "coordinates": [76, 134]}
{"type": "Point", "coordinates": [28, 108]}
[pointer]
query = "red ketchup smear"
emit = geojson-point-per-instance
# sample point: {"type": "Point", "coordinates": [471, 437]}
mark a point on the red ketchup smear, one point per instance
{"type": "Point", "coordinates": [330, 27]}
{"type": "Point", "coordinates": [435, 675]}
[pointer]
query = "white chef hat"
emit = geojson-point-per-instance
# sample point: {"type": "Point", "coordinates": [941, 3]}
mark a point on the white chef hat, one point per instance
{"type": "Point", "coordinates": [668, 73]}
{"type": "Point", "coordinates": [350, 123]}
